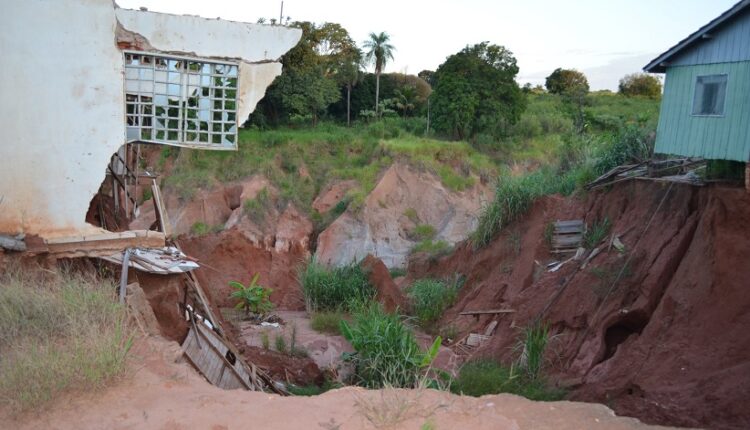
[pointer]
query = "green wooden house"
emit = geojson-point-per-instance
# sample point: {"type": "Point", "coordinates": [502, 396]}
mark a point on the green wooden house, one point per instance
{"type": "Point", "coordinates": [705, 110]}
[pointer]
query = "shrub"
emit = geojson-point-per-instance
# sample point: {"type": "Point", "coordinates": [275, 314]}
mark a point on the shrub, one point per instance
{"type": "Point", "coordinates": [387, 353]}
{"type": "Point", "coordinates": [480, 377]}
{"type": "Point", "coordinates": [423, 231]}
{"type": "Point", "coordinates": [264, 340]}
{"type": "Point", "coordinates": [532, 346]}
{"type": "Point", "coordinates": [252, 298]}
{"type": "Point", "coordinates": [433, 248]}
{"type": "Point", "coordinates": [336, 289]}
{"type": "Point", "coordinates": [597, 233]}
{"type": "Point", "coordinates": [430, 298]}
{"type": "Point", "coordinates": [58, 332]}
{"type": "Point", "coordinates": [327, 322]}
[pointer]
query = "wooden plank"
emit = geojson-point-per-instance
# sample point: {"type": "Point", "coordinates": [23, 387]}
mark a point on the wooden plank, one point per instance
{"type": "Point", "coordinates": [103, 244]}
{"type": "Point", "coordinates": [569, 223]}
{"type": "Point", "coordinates": [488, 312]}
{"type": "Point", "coordinates": [490, 328]}
{"type": "Point", "coordinates": [161, 210]}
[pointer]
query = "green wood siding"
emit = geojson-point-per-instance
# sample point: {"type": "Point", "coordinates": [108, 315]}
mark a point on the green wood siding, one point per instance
{"type": "Point", "coordinates": [726, 137]}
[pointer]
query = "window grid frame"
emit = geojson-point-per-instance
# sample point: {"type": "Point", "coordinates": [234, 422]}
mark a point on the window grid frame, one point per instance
{"type": "Point", "coordinates": [219, 133]}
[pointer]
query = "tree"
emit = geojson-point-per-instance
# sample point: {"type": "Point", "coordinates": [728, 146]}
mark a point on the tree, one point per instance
{"type": "Point", "coordinates": [476, 92]}
{"type": "Point", "coordinates": [567, 82]}
{"type": "Point", "coordinates": [573, 86]}
{"type": "Point", "coordinates": [640, 84]}
{"type": "Point", "coordinates": [428, 76]}
{"type": "Point", "coordinates": [379, 51]}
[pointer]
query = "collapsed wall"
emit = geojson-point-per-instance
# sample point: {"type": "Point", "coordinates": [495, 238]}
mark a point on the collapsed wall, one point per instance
{"type": "Point", "coordinates": [668, 342]}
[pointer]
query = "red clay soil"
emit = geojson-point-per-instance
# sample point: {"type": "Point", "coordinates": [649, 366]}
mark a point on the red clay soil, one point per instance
{"type": "Point", "coordinates": [230, 256]}
{"type": "Point", "coordinates": [164, 293]}
{"type": "Point", "coordinates": [667, 344]}
{"type": "Point", "coordinates": [388, 293]}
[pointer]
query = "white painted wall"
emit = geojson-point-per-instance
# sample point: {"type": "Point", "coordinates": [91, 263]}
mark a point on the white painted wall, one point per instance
{"type": "Point", "coordinates": [61, 103]}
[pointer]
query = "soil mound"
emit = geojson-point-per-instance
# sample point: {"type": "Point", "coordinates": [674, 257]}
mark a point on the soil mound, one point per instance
{"type": "Point", "coordinates": [389, 294]}
{"type": "Point", "coordinates": [667, 343]}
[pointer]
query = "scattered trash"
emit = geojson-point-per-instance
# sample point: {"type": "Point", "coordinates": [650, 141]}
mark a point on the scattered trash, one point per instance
{"type": "Point", "coordinates": [268, 324]}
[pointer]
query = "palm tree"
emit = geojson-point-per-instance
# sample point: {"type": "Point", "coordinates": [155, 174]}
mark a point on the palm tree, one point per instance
{"type": "Point", "coordinates": [379, 51]}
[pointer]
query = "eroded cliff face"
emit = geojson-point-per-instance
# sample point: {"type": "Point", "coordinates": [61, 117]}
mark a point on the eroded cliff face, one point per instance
{"type": "Point", "coordinates": [403, 199]}
{"type": "Point", "coordinates": [668, 343]}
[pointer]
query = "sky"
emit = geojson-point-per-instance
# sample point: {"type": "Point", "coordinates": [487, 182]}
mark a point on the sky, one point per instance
{"type": "Point", "coordinates": [605, 39]}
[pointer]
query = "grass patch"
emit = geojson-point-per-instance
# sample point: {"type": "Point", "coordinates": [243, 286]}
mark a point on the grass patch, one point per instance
{"type": "Point", "coordinates": [423, 232]}
{"type": "Point", "coordinates": [433, 248]}
{"type": "Point", "coordinates": [397, 272]}
{"type": "Point", "coordinates": [60, 332]}
{"type": "Point", "coordinates": [334, 289]}
{"type": "Point", "coordinates": [387, 353]}
{"type": "Point", "coordinates": [200, 228]}
{"type": "Point", "coordinates": [481, 377]}
{"type": "Point", "coordinates": [327, 322]}
{"type": "Point", "coordinates": [431, 297]}
{"type": "Point", "coordinates": [513, 198]}
{"type": "Point", "coordinates": [598, 231]}
{"type": "Point", "coordinates": [257, 207]}
{"type": "Point", "coordinates": [312, 390]}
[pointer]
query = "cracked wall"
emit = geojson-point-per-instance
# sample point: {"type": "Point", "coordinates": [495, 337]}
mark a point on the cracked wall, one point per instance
{"type": "Point", "coordinates": [62, 109]}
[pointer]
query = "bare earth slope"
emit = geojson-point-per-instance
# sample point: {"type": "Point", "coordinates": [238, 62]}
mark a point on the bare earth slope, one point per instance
{"type": "Point", "coordinates": [668, 343]}
{"type": "Point", "coordinates": [163, 395]}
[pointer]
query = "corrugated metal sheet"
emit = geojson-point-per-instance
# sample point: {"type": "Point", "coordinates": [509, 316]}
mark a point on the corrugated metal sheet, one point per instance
{"type": "Point", "coordinates": [728, 43]}
{"type": "Point", "coordinates": [726, 137]}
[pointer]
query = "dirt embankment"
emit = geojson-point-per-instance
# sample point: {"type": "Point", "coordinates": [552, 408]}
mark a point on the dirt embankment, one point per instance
{"type": "Point", "coordinates": [668, 343]}
{"type": "Point", "coordinates": [165, 393]}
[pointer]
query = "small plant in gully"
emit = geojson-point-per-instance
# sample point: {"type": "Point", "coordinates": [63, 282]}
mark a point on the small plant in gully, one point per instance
{"type": "Point", "coordinates": [253, 298]}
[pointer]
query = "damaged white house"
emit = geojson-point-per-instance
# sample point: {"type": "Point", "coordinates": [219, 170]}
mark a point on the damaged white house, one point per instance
{"type": "Point", "coordinates": [84, 79]}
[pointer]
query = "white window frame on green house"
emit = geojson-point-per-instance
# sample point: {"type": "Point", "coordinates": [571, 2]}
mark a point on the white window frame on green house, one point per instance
{"type": "Point", "coordinates": [181, 101]}
{"type": "Point", "coordinates": [719, 82]}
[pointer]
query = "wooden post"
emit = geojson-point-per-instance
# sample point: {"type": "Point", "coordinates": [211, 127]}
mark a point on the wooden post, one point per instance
{"type": "Point", "coordinates": [747, 176]}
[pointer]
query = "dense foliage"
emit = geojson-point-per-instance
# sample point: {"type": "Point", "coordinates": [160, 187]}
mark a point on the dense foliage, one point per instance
{"type": "Point", "coordinates": [641, 84]}
{"type": "Point", "coordinates": [332, 289]}
{"type": "Point", "coordinates": [476, 92]}
{"type": "Point", "coordinates": [567, 82]}
{"type": "Point", "coordinates": [429, 298]}
{"type": "Point", "coordinates": [387, 353]}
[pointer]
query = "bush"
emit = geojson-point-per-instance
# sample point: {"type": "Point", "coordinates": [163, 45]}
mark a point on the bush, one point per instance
{"type": "Point", "coordinates": [433, 248]}
{"type": "Point", "coordinates": [423, 231]}
{"type": "Point", "coordinates": [597, 233]}
{"type": "Point", "coordinates": [480, 377]}
{"type": "Point", "coordinates": [256, 208]}
{"type": "Point", "coordinates": [58, 332]}
{"type": "Point", "coordinates": [336, 289]}
{"type": "Point", "coordinates": [387, 353]}
{"type": "Point", "coordinates": [430, 298]}
{"type": "Point", "coordinates": [631, 145]}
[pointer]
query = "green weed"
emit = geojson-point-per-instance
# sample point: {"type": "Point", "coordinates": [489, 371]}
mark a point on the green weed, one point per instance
{"type": "Point", "coordinates": [481, 377]}
{"type": "Point", "coordinates": [335, 289]}
{"type": "Point", "coordinates": [430, 298]}
{"type": "Point", "coordinates": [387, 353]}
{"type": "Point", "coordinates": [596, 233]}
{"type": "Point", "coordinates": [327, 322]}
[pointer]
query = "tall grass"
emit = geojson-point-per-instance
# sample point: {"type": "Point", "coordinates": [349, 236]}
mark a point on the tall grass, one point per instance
{"type": "Point", "coordinates": [431, 297]}
{"type": "Point", "coordinates": [387, 353]}
{"type": "Point", "coordinates": [334, 289]}
{"type": "Point", "coordinates": [532, 346]}
{"type": "Point", "coordinates": [58, 332]}
{"type": "Point", "coordinates": [513, 198]}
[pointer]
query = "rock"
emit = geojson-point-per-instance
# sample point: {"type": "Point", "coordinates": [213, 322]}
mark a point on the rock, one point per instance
{"type": "Point", "coordinates": [388, 293]}
{"type": "Point", "coordinates": [140, 309]}
{"type": "Point", "coordinates": [403, 199]}
{"type": "Point", "coordinates": [293, 230]}
{"type": "Point", "coordinates": [332, 195]}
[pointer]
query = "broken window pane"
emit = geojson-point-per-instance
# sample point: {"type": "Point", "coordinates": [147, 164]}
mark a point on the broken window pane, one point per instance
{"type": "Point", "coordinates": [179, 101]}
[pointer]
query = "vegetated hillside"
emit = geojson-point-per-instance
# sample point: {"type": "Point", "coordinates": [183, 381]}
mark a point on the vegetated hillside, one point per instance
{"type": "Point", "coordinates": [284, 189]}
{"type": "Point", "coordinates": [666, 342]}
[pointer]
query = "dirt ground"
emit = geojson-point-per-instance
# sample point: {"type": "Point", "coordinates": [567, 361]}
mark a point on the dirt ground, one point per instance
{"type": "Point", "coordinates": [162, 394]}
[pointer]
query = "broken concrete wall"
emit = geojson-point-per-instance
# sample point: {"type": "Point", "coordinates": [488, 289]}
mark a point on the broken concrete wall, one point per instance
{"type": "Point", "coordinates": [62, 109]}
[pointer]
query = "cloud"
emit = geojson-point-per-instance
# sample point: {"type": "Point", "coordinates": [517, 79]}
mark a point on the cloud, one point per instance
{"type": "Point", "coordinates": [607, 77]}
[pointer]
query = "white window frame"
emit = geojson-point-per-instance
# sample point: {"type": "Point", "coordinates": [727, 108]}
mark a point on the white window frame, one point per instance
{"type": "Point", "coordinates": [181, 101]}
